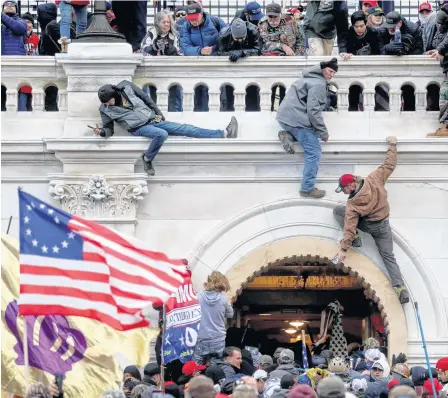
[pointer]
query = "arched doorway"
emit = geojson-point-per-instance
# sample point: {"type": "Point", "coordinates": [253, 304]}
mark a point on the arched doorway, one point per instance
{"type": "Point", "coordinates": [287, 297]}
{"type": "Point", "coordinates": [249, 241]}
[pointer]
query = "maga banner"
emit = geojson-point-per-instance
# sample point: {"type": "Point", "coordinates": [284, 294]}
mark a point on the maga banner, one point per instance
{"type": "Point", "coordinates": [183, 317]}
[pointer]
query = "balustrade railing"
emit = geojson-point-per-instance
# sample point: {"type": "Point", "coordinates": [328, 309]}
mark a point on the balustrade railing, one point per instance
{"type": "Point", "coordinates": [186, 84]}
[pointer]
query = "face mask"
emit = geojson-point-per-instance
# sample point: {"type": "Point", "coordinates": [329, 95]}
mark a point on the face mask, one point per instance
{"type": "Point", "coordinates": [424, 19]}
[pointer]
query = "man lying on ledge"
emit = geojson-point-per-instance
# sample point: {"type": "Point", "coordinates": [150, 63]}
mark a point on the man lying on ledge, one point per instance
{"type": "Point", "coordinates": [132, 108]}
{"type": "Point", "coordinates": [368, 210]}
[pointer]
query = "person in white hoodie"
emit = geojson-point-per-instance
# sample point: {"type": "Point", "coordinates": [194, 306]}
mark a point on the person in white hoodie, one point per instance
{"type": "Point", "coordinates": [215, 309]}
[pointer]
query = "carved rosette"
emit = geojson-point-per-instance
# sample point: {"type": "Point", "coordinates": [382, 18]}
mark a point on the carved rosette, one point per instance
{"type": "Point", "coordinates": [98, 198]}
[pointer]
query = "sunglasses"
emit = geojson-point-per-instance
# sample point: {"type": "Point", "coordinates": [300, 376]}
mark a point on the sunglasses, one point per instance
{"type": "Point", "coordinates": [181, 14]}
{"type": "Point", "coordinates": [377, 369]}
{"type": "Point", "coordinates": [273, 16]}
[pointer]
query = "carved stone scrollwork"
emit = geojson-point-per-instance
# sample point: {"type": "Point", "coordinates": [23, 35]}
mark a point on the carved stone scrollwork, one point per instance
{"type": "Point", "coordinates": [97, 198]}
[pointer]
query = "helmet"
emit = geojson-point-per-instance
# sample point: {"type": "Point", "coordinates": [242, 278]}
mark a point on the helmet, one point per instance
{"type": "Point", "coordinates": [401, 369]}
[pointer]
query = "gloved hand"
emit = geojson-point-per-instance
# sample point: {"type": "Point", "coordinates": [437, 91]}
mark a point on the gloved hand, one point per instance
{"type": "Point", "coordinates": [235, 55]}
{"type": "Point", "coordinates": [394, 48]}
{"type": "Point", "coordinates": [243, 54]}
{"type": "Point", "coordinates": [160, 44]}
{"type": "Point", "coordinates": [400, 358]}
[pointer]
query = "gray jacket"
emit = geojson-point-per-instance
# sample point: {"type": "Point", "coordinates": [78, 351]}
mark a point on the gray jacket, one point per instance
{"type": "Point", "coordinates": [428, 30]}
{"type": "Point", "coordinates": [283, 370]}
{"type": "Point", "coordinates": [305, 101]}
{"type": "Point", "coordinates": [140, 111]}
{"type": "Point", "coordinates": [215, 308]}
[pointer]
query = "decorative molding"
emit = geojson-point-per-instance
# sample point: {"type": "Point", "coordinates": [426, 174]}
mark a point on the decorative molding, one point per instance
{"type": "Point", "coordinates": [97, 198]}
{"type": "Point", "coordinates": [93, 83]}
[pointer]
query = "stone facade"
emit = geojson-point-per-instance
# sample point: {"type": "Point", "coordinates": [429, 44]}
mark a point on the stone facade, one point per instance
{"type": "Point", "coordinates": [223, 202]}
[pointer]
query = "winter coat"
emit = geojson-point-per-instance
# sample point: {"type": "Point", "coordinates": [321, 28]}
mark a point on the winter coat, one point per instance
{"type": "Point", "coordinates": [288, 32]}
{"type": "Point", "coordinates": [280, 393]}
{"type": "Point", "coordinates": [13, 35]}
{"type": "Point", "coordinates": [365, 45]}
{"type": "Point", "coordinates": [229, 371]}
{"type": "Point", "coordinates": [428, 31]}
{"type": "Point", "coordinates": [411, 40]}
{"type": "Point", "coordinates": [46, 16]}
{"type": "Point", "coordinates": [215, 308]}
{"type": "Point", "coordinates": [375, 388]}
{"type": "Point", "coordinates": [250, 45]}
{"type": "Point", "coordinates": [305, 101]}
{"type": "Point", "coordinates": [142, 110]}
{"type": "Point", "coordinates": [156, 44]}
{"type": "Point", "coordinates": [193, 39]}
{"type": "Point", "coordinates": [283, 370]}
{"type": "Point", "coordinates": [371, 200]}
{"type": "Point", "coordinates": [327, 19]}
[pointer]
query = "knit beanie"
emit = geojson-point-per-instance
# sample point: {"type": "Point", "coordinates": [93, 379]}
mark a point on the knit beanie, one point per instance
{"type": "Point", "coordinates": [302, 391]}
{"type": "Point", "coordinates": [28, 17]}
{"type": "Point", "coordinates": [11, 1]}
{"type": "Point", "coordinates": [133, 371]}
{"type": "Point", "coordinates": [331, 387]}
{"type": "Point", "coordinates": [332, 64]}
{"type": "Point", "coordinates": [106, 92]}
{"type": "Point", "coordinates": [238, 28]}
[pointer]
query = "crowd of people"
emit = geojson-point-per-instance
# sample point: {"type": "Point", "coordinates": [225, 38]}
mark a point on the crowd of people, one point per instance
{"type": "Point", "coordinates": [223, 366]}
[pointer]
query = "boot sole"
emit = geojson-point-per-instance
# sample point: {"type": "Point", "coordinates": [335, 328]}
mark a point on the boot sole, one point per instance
{"type": "Point", "coordinates": [287, 143]}
{"type": "Point", "coordinates": [304, 195]}
{"type": "Point", "coordinates": [233, 128]}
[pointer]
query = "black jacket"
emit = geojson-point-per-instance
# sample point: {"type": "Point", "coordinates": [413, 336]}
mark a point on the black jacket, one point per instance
{"type": "Point", "coordinates": [367, 45]}
{"type": "Point", "coordinates": [442, 48]}
{"type": "Point", "coordinates": [411, 40]}
{"type": "Point", "coordinates": [250, 45]}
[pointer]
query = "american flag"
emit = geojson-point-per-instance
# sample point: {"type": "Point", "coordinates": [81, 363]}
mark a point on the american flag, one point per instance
{"type": "Point", "coordinates": [76, 267]}
{"type": "Point", "coordinates": [304, 353]}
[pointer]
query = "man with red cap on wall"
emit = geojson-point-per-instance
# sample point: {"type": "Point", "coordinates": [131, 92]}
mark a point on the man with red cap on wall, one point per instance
{"type": "Point", "coordinates": [442, 372]}
{"type": "Point", "coordinates": [368, 210]}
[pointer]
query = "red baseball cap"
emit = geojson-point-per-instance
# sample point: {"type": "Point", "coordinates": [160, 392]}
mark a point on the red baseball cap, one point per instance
{"type": "Point", "coordinates": [344, 180]}
{"type": "Point", "coordinates": [425, 6]}
{"type": "Point", "coordinates": [372, 3]}
{"type": "Point", "coordinates": [194, 11]}
{"type": "Point", "coordinates": [442, 364]}
{"type": "Point", "coordinates": [191, 367]}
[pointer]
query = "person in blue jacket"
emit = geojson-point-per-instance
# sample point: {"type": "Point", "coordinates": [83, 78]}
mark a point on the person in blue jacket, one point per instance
{"type": "Point", "coordinates": [200, 32]}
{"type": "Point", "coordinates": [199, 36]}
{"type": "Point", "coordinates": [13, 30]}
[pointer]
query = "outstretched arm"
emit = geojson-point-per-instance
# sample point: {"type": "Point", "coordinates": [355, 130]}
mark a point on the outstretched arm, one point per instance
{"type": "Point", "coordinates": [383, 172]}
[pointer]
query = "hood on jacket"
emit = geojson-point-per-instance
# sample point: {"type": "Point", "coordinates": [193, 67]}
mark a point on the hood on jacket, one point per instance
{"type": "Point", "coordinates": [15, 4]}
{"type": "Point", "coordinates": [314, 72]}
{"type": "Point", "coordinates": [46, 13]}
{"type": "Point", "coordinates": [211, 298]}
{"type": "Point", "coordinates": [383, 364]}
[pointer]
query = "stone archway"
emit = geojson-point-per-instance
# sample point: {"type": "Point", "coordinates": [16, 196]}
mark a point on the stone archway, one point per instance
{"type": "Point", "coordinates": [375, 283]}
{"type": "Point", "coordinates": [266, 233]}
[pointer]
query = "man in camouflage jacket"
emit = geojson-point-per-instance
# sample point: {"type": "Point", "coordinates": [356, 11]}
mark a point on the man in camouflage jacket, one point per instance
{"type": "Point", "coordinates": [280, 34]}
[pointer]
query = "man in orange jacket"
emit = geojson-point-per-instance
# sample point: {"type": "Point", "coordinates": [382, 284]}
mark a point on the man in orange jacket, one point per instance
{"type": "Point", "coordinates": [368, 210]}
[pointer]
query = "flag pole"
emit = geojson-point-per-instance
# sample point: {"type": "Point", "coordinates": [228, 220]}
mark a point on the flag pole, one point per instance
{"type": "Point", "coordinates": [162, 357]}
{"type": "Point", "coordinates": [25, 353]}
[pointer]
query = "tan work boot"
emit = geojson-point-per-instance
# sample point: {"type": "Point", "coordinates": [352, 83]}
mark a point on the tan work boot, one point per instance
{"type": "Point", "coordinates": [314, 194]}
{"type": "Point", "coordinates": [442, 131]}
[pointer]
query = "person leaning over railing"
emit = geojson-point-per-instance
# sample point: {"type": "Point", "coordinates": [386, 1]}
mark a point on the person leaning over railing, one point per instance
{"type": "Point", "coordinates": [280, 34]}
{"type": "Point", "coordinates": [239, 40]}
{"type": "Point", "coordinates": [399, 36]}
{"type": "Point", "coordinates": [361, 39]}
{"type": "Point", "coordinates": [163, 39]}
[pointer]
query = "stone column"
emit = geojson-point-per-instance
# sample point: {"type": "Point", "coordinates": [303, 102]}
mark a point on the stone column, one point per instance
{"type": "Point", "coordinates": [420, 100]}
{"type": "Point", "coordinates": [343, 99]}
{"type": "Point", "coordinates": [369, 100]}
{"type": "Point", "coordinates": [214, 100]}
{"type": "Point", "coordinates": [240, 100]}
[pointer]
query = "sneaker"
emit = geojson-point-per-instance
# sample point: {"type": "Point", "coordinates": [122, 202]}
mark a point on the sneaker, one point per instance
{"type": "Point", "coordinates": [287, 140]}
{"type": "Point", "coordinates": [315, 194]}
{"type": "Point", "coordinates": [357, 242]}
{"type": "Point", "coordinates": [402, 294]}
{"type": "Point", "coordinates": [147, 165]}
{"type": "Point", "coordinates": [64, 42]}
{"type": "Point", "coordinates": [232, 128]}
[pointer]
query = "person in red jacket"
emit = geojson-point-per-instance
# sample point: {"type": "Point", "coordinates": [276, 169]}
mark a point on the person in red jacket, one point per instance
{"type": "Point", "coordinates": [80, 9]}
{"type": "Point", "coordinates": [31, 47]}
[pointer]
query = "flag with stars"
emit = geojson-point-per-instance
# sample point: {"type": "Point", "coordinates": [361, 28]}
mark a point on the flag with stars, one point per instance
{"type": "Point", "coordinates": [182, 322]}
{"type": "Point", "coordinates": [75, 267]}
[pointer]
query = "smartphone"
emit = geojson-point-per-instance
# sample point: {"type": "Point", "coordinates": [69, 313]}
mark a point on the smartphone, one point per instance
{"type": "Point", "coordinates": [90, 127]}
{"type": "Point", "coordinates": [58, 377]}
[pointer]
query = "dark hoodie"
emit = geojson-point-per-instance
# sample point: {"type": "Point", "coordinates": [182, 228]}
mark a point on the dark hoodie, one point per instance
{"type": "Point", "coordinates": [46, 16]}
{"type": "Point", "coordinates": [13, 33]}
{"type": "Point", "coordinates": [215, 308]}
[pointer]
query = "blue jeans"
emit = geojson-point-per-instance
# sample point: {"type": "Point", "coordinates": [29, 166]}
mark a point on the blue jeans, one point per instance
{"type": "Point", "coordinates": [66, 18]}
{"type": "Point", "coordinates": [24, 104]}
{"type": "Point", "coordinates": [208, 348]}
{"type": "Point", "coordinates": [312, 152]}
{"type": "Point", "coordinates": [159, 132]}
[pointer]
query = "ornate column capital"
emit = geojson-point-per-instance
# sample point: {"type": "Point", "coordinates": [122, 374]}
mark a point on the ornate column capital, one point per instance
{"type": "Point", "coordinates": [95, 197]}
